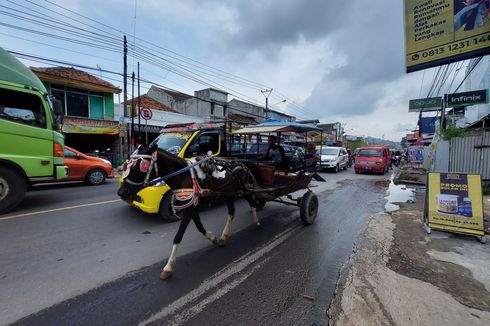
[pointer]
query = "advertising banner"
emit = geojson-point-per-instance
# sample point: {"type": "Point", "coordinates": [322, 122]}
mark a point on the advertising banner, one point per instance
{"type": "Point", "coordinates": [428, 125]}
{"type": "Point", "coordinates": [467, 98]}
{"type": "Point", "coordinates": [438, 32]}
{"type": "Point", "coordinates": [416, 154]}
{"type": "Point", "coordinates": [90, 126]}
{"type": "Point", "coordinates": [454, 203]}
{"type": "Point", "coordinates": [425, 104]}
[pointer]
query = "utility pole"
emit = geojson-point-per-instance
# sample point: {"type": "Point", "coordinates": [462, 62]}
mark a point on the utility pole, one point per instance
{"type": "Point", "coordinates": [132, 112]}
{"type": "Point", "coordinates": [443, 113]}
{"type": "Point", "coordinates": [139, 106]}
{"type": "Point", "coordinates": [126, 143]}
{"type": "Point", "coordinates": [266, 93]}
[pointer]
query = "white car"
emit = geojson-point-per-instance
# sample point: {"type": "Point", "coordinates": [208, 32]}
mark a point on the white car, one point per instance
{"type": "Point", "coordinates": [334, 158]}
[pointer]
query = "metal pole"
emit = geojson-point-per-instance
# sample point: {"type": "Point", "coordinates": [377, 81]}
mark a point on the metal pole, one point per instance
{"type": "Point", "coordinates": [139, 106]}
{"type": "Point", "coordinates": [146, 131]}
{"type": "Point", "coordinates": [125, 86]}
{"type": "Point", "coordinates": [443, 113]}
{"type": "Point", "coordinates": [132, 112]}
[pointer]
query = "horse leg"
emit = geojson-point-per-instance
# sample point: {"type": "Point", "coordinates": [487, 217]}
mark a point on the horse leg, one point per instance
{"type": "Point", "coordinates": [230, 202]}
{"type": "Point", "coordinates": [197, 221]}
{"type": "Point", "coordinates": [253, 205]}
{"type": "Point", "coordinates": [184, 222]}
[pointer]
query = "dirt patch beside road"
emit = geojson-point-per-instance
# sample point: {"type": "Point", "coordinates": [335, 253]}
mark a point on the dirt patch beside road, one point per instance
{"type": "Point", "coordinates": [400, 275]}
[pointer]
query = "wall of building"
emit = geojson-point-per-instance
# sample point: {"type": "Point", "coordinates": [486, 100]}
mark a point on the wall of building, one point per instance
{"type": "Point", "coordinates": [159, 118]}
{"type": "Point", "coordinates": [247, 109]}
{"type": "Point", "coordinates": [162, 97]}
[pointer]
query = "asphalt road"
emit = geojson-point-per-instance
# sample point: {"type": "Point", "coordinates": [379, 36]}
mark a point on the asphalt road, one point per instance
{"type": "Point", "coordinates": [74, 254]}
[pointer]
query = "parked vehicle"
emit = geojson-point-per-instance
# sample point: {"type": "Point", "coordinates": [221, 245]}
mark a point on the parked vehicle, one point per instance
{"type": "Point", "coordinates": [31, 147]}
{"type": "Point", "coordinates": [334, 158]}
{"type": "Point", "coordinates": [375, 158]}
{"type": "Point", "coordinates": [81, 167]}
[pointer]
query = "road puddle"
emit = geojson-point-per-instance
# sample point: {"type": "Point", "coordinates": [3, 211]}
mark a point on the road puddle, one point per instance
{"type": "Point", "coordinates": [397, 194]}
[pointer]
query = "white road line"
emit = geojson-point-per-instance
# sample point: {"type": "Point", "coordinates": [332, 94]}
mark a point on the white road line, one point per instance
{"type": "Point", "coordinates": [58, 209]}
{"type": "Point", "coordinates": [217, 285]}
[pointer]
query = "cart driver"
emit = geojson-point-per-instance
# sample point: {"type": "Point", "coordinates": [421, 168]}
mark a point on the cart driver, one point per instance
{"type": "Point", "coordinates": [275, 152]}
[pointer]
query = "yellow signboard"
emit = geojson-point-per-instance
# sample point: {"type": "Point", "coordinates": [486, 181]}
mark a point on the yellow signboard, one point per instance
{"type": "Point", "coordinates": [443, 31]}
{"type": "Point", "coordinates": [454, 203]}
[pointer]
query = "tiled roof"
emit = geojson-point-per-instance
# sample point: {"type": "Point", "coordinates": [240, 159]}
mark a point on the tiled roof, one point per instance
{"type": "Point", "coordinates": [67, 74]}
{"type": "Point", "coordinates": [147, 102]}
{"type": "Point", "coordinates": [242, 118]}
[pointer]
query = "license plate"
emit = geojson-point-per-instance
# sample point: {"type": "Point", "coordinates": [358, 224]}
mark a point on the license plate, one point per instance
{"type": "Point", "coordinates": [366, 168]}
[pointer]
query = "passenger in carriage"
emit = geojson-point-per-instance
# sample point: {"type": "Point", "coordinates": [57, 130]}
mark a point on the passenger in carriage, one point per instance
{"type": "Point", "coordinates": [311, 158]}
{"type": "Point", "coordinates": [275, 152]}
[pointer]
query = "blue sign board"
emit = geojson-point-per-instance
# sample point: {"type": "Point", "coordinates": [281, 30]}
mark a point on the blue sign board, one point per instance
{"type": "Point", "coordinates": [427, 125]}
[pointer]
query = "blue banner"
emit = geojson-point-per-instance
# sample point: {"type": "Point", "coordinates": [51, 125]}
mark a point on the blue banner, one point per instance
{"type": "Point", "coordinates": [427, 125]}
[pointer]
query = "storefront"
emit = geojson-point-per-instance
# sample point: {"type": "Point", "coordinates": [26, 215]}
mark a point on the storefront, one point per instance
{"type": "Point", "coordinates": [98, 138]}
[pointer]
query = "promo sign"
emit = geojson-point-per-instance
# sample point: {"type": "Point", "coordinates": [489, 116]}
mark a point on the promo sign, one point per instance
{"type": "Point", "coordinates": [425, 104]}
{"type": "Point", "coordinates": [454, 203]}
{"type": "Point", "coordinates": [438, 32]}
{"type": "Point", "coordinates": [467, 98]}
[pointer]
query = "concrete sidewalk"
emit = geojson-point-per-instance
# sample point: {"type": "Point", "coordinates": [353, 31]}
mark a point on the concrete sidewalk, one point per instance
{"type": "Point", "coordinates": [400, 275]}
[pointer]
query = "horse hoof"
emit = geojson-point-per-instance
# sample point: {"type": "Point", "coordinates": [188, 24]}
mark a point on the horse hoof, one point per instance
{"type": "Point", "coordinates": [221, 243]}
{"type": "Point", "coordinates": [164, 275]}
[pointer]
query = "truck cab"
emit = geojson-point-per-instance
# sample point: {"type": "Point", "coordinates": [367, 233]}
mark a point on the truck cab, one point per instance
{"type": "Point", "coordinates": [31, 148]}
{"type": "Point", "coordinates": [186, 141]}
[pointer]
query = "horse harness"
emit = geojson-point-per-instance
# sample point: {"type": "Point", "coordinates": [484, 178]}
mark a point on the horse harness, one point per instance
{"type": "Point", "coordinates": [186, 196]}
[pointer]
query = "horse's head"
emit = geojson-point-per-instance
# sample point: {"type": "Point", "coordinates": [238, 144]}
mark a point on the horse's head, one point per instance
{"type": "Point", "coordinates": [137, 172]}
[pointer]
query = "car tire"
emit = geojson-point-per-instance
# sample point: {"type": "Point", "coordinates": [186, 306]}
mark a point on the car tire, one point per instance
{"type": "Point", "coordinates": [165, 211]}
{"type": "Point", "coordinates": [95, 177]}
{"type": "Point", "coordinates": [337, 168]}
{"type": "Point", "coordinates": [12, 189]}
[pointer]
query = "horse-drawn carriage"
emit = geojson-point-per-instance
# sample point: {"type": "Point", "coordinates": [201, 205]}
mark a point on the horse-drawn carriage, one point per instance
{"type": "Point", "coordinates": [257, 180]}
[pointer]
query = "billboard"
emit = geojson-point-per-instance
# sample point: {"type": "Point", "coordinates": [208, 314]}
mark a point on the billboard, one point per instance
{"type": "Point", "coordinates": [428, 125]}
{"type": "Point", "coordinates": [425, 104]}
{"type": "Point", "coordinates": [443, 31]}
{"type": "Point", "coordinates": [454, 203]}
{"type": "Point", "coordinates": [467, 98]}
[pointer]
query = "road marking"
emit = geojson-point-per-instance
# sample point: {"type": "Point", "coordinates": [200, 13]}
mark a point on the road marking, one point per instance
{"type": "Point", "coordinates": [217, 285]}
{"type": "Point", "coordinates": [58, 209]}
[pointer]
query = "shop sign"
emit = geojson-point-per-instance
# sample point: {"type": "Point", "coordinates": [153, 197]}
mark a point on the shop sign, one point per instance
{"type": "Point", "coordinates": [454, 203]}
{"type": "Point", "coordinates": [438, 32]}
{"type": "Point", "coordinates": [425, 104]}
{"type": "Point", "coordinates": [416, 154]}
{"type": "Point", "coordinates": [467, 98]}
{"type": "Point", "coordinates": [90, 126]}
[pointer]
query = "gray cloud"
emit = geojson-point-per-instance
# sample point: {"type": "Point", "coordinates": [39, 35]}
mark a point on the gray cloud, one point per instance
{"type": "Point", "coordinates": [279, 22]}
{"type": "Point", "coordinates": [367, 34]}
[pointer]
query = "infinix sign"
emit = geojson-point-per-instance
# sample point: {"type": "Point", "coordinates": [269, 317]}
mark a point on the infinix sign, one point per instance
{"type": "Point", "coordinates": [467, 98]}
{"type": "Point", "coordinates": [425, 104]}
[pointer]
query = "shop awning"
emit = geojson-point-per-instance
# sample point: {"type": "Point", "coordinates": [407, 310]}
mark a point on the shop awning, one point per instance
{"type": "Point", "coordinates": [274, 126]}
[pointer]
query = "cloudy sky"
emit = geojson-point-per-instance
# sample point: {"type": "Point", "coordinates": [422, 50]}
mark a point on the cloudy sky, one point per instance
{"type": "Point", "coordinates": [331, 60]}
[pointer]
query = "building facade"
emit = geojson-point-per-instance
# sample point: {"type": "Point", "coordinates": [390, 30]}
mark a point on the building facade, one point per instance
{"type": "Point", "coordinates": [88, 102]}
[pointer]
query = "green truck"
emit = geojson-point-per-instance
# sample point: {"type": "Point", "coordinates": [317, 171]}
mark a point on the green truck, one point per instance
{"type": "Point", "coordinates": [31, 146]}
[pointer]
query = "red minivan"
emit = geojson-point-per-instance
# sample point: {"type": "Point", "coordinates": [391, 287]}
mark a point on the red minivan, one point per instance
{"type": "Point", "coordinates": [375, 158]}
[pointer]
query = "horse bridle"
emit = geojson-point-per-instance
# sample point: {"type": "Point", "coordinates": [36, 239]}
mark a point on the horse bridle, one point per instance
{"type": "Point", "coordinates": [151, 165]}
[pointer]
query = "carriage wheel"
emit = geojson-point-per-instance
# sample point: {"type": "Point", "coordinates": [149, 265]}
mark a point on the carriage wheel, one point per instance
{"type": "Point", "coordinates": [308, 208]}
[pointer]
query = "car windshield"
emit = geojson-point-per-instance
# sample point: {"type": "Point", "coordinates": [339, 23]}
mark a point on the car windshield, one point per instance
{"type": "Point", "coordinates": [329, 151]}
{"type": "Point", "coordinates": [370, 153]}
{"type": "Point", "coordinates": [172, 141]}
